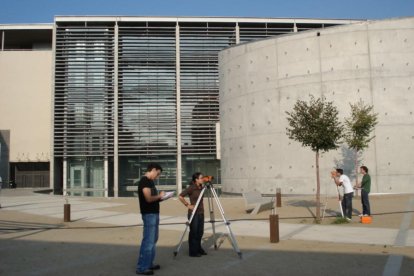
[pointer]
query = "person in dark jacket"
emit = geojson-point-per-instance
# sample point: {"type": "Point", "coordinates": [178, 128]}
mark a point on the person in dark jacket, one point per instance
{"type": "Point", "coordinates": [197, 224]}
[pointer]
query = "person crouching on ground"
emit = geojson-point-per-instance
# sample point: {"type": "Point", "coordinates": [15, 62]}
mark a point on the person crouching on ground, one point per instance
{"type": "Point", "coordinates": [197, 224]}
{"type": "Point", "coordinates": [342, 180]}
{"type": "Point", "coordinates": [149, 203]}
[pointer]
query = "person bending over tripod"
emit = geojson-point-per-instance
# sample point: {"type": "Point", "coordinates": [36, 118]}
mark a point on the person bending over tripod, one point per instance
{"type": "Point", "coordinates": [197, 224]}
{"type": "Point", "coordinates": [342, 180]}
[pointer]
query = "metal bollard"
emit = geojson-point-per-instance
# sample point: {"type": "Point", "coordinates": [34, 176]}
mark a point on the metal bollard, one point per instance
{"type": "Point", "coordinates": [274, 228]}
{"type": "Point", "coordinates": [278, 198]}
{"type": "Point", "coordinates": [66, 212]}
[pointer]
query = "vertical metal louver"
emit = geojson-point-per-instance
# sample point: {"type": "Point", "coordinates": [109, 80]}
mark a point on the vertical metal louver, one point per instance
{"type": "Point", "coordinates": [147, 85]}
{"type": "Point", "coordinates": [199, 47]}
{"type": "Point", "coordinates": [83, 100]}
{"type": "Point", "coordinates": [135, 74]}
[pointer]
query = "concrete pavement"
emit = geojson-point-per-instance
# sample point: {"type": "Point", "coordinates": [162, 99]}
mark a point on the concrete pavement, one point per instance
{"type": "Point", "coordinates": [104, 234]}
{"type": "Point", "coordinates": [83, 209]}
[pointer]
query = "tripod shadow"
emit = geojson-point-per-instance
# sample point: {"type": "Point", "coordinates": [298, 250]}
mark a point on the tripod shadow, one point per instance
{"type": "Point", "coordinates": [331, 212]}
{"type": "Point", "coordinates": [208, 242]}
{"type": "Point", "coordinates": [220, 238]}
{"type": "Point", "coordinates": [304, 203]}
{"type": "Point", "coordinates": [356, 211]}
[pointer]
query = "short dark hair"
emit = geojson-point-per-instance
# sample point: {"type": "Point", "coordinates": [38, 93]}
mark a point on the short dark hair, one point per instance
{"type": "Point", "coordinates": [364, 168]}
{"type": "Point", "coordinates": [153, 166]}
{"type": "Point", "coordinates": [341, 171]}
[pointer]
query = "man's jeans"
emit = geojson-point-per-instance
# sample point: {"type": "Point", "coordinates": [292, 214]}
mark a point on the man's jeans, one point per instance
{"type": "Point", "coordinates": [365, 203]}
{"type": "Point", "coordinates": [347, 205]}
{"type": "Point", "coordinates": [149, 239]}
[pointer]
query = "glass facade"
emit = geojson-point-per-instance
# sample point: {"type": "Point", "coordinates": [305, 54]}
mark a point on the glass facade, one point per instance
{"type": "Point", "coordinates": [147, 89]}
{"type": "Point", "coordinates": [86, 176]}
{"type": "Point", "coordinates": [130, 92]}
{"type": "Point", "coordinates": [132, 168]}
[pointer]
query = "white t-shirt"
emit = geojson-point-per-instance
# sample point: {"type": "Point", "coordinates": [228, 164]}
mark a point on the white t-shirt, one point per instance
{"type": "Point", "coordinates": [346, 183]}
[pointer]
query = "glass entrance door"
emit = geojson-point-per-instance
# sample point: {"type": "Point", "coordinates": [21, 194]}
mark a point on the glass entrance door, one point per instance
{"type": "Point", "coordinates": [77, 177]}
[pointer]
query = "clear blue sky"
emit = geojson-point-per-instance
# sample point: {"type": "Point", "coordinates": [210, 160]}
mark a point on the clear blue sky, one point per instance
{"type": "Point", "coordinates": [43, 11]}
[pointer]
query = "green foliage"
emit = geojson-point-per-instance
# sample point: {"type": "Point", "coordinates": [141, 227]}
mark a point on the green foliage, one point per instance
{"type": "Point", "coordinates": [340, 220]}
{"type": "Point", "coordinates": [315, 124]}
{"type": "Point", "coordinates": [359, 126]}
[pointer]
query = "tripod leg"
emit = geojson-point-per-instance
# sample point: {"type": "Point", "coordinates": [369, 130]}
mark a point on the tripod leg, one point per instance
{"type": "Point", "coordinates": [181, 240]}
{"type": "Point", "coordinates": [188, 223]}
{"type": "Point", "coordinates": [212, 219]}
{"type": "Point", "coordinates": [232, 237]}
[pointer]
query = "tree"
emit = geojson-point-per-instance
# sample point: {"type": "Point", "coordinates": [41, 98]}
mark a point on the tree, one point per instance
{"type": "Point", "coordinates": [358, 129]}
{"type": "Point", "coordinates": [315, 125]}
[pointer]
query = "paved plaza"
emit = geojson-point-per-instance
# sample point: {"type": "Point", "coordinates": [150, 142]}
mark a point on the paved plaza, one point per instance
{"type": "Point", "coordinates": [104, 234]}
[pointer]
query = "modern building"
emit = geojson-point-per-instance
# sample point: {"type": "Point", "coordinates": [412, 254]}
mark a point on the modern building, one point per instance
{"type": "Point", "coordinates": [260, 81]}
{"type": "Point", "coordinates": [87, 102]}
{"type": "Point", "coordinates": [26, 69]}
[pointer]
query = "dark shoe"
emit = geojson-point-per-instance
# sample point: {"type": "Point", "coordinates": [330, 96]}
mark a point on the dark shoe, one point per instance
{"type": "Point", "coordinates": [196, 255]}
{"type": "Point", "coordinates": [202, 252]}
{"type": "Point", "coordinates": [155, 267]}
{"type": "Point", "coordinates": [146, 272]}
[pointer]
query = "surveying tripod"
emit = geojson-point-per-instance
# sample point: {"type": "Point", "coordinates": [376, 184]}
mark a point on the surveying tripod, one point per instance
{"type": "Point", "coordinates": [212, 194]}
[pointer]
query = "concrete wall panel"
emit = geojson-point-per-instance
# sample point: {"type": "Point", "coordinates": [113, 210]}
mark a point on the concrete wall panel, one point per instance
{"type": "Point", "coordinates": [259, 81]}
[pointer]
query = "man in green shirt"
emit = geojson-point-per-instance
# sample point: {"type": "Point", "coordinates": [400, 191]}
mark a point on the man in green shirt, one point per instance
{"type": "Point", "coordinates": [365, 189]}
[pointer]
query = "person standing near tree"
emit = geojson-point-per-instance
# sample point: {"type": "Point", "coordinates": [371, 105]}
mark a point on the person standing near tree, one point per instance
{"type": "Point", "coordinates": [149, 203]}
{"type": "Point", "coordinates": [342, 180]}
{"type": "Point", "coordinates": [365, 190]}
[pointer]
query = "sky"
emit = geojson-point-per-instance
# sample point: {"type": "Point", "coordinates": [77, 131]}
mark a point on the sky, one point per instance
{"type": "Point", "coordinates": [43, 11]}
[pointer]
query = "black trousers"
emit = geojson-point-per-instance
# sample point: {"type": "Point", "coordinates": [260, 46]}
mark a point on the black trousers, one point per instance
{"type": "Point", "coordinates": [196, 234]}
{"type": "Point", "coordinates": [365, 203]}
{"type": "Point", "coordinates": [347, 204]}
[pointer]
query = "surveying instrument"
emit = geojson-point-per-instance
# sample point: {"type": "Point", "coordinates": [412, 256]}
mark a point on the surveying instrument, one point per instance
{"type": "Point", "coordinates": [210, 195]}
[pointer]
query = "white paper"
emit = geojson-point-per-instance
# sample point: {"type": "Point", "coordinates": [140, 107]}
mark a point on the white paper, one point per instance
{"type": "Point", "coordinates": [167, 195]}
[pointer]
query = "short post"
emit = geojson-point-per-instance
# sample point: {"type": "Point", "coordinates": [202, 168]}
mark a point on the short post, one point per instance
{"type": "Point", "coordinates": [66, 211]}
{"type": "Point", "coordinates": [278, 198]}
{"type": "Point", "coordinates": [274, 228]}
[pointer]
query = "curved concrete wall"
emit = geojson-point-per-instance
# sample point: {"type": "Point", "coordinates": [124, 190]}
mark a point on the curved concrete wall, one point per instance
{"type": "Point", "coordinates": [260, 81]}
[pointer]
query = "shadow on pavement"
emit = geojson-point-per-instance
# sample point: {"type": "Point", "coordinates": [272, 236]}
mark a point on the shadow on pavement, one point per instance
{"type": "Point", "coordinates": [31, 257]}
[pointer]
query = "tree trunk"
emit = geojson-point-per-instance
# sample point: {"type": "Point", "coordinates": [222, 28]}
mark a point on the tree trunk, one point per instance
{"type": "Point", "coordinates": [356, 171]}
{"type": "Point", "coordinates": [318, 190]}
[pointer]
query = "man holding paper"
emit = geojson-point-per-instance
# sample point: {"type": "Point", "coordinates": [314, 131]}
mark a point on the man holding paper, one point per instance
{"type": "Point", "coordinates": [149, 203]}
